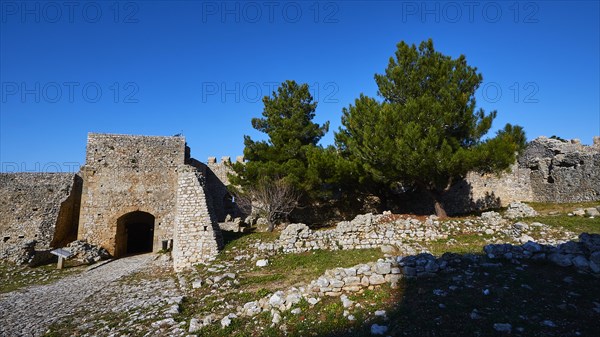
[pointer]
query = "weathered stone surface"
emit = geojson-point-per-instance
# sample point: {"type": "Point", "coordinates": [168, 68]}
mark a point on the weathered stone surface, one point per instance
{"type": "Point", "coordinates": [548, 170]}
{"type": "Point", "coordinates": [262, 263]}
{"type": "Point", "coordinates": [87, 253]}
{"type": "Point", "coordinates": [376, 279]}
{"type": "Point", "coordinates": [519, 210]}
{"type": "Point", "coordinates": [503, 327]}
{"type": "Point", "coordinates": [37, 206]}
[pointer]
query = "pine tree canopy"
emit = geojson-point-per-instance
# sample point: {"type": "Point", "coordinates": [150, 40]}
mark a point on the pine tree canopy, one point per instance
{"type": "Point", "coordinates": [425, 131]}
{"type": "Point", "coordinates": [287, 121]}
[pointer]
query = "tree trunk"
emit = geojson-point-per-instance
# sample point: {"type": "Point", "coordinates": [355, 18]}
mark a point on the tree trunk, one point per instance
{"type": "Point", "coordinates": [439, 209]}
{"type": "Point", "coordinates": [271, 225]}
{"type": "Point", "coordinates": [437, 204]}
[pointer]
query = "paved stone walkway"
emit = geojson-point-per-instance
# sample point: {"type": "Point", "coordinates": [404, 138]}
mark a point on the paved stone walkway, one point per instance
{"type": "Point", "coordinates": [30, 311]}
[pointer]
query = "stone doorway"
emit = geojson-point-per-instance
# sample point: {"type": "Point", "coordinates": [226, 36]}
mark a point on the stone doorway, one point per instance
{"type": "Point", "coordinates": [135, 234]}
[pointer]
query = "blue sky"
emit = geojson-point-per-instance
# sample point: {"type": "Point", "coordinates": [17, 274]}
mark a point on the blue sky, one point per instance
{"type": "Point", "coordinates": [200, 68]}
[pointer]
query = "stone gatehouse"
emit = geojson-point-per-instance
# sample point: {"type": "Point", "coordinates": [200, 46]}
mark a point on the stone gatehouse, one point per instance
{"type": "Point", "coordinates": [134, 194]}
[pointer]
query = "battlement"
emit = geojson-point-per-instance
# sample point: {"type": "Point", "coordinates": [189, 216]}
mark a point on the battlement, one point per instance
{"type": "Point", "coordinates": [224, 160]}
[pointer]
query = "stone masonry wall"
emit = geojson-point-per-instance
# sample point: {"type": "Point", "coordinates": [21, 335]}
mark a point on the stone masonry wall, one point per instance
{"type": "Point", "coordinates": [197, 236]}
{"type": "Point", "coordinates": [563, 171]}
{"type": "Point", "coordinates": [216, 184]}
{"type": "Point", "coordinates": [549, 170]}
{"type": "Point", "coordinates": [38, 206]}
{"type": "Point", "coordinates": [364, 231]}
{"type": "Point", "coordinates": [124, 174]}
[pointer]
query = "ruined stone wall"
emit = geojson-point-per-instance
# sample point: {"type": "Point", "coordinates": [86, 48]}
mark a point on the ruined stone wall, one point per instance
{"type": "Point", "coordinates": [197, 237]}
{"type": "Point", "coordinates": [216, 183]}
{"type": "Point", "coordinates": [563, 171]}
{"type": "Point", "coordinates": [364, 231]}
{"type": "Point", "coordinates": [38, 206]}
{"type": "Point", "coordinates": [124, 174]}
{"type": "Point", "coordinates": [549, 170]}
{"type": "Point", "coordinates": [485, 191]}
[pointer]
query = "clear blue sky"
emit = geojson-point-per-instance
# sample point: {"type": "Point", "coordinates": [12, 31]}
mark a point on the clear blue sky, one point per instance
{"type": "Point", "coordinates": [200, 68]}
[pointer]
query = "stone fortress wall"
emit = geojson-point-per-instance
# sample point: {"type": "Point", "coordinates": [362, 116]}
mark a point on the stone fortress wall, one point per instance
{"type": "Point", "coordinates": [197, 237]}
{"type": "Point", "coordinates": [563, 171]}
{"type": "Point", "coordinates": [549, 170]}
{"type": "Point", "coordinates": [38, 206]}
{"type": "Point", "coordinates": [152, 181]}
{"type": "Point", "coordinates": [217, 181]}
{"type": "Point", "coordinates": [134, 194]}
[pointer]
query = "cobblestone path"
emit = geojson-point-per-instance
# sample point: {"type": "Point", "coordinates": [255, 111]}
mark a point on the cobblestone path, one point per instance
{"type": "Point", "coordinates": [30, 311]}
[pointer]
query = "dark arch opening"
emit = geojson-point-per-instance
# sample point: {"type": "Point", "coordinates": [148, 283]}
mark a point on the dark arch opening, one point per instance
{"type": "Point", "coordinates": [135, 233]}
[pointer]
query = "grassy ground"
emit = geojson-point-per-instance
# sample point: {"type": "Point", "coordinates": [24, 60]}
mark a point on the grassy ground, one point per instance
{"type": "Point", "coordinates": [545, 208]}
{"type": "Point", "coordinates": [570, 223]}
{"type": "Point", "coordinates": [470, 243]}
{"type": "Point", "coordinates": [536, 300]}
{"type": "Point", "coordinates": [14, 277]}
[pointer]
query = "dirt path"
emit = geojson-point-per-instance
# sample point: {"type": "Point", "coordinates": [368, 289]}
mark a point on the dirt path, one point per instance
{"type": "Point", "coordinates": [30, 311]}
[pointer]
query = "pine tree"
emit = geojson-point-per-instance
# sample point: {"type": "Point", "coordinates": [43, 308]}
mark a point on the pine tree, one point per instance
{"type": "Point", "coordinates": [287, 121]}
{"type": "Point", "coordinates": [426, 132]}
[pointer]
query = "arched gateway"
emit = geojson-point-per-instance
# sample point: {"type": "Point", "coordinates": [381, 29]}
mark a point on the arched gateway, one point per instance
{"type": "Point", "coordinates": [135, 233]}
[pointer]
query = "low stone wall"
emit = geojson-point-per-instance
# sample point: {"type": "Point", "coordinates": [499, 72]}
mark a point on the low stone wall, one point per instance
{"type": "Point", "coordinates": [364, 231]}
{"type": "Point", "coordinates": [583, 255]}
{"type": "Point", "coordinates": [396, 234]}
{"type": "Point", "coordinates": [37, 211]}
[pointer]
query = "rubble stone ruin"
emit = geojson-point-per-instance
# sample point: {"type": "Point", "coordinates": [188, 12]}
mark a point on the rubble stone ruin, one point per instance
{"type": "Point", "coordinates": [139, 194]}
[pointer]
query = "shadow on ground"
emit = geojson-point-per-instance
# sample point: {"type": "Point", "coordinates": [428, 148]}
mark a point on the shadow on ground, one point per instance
{"type": "Point", "coordinates": [478, 299]}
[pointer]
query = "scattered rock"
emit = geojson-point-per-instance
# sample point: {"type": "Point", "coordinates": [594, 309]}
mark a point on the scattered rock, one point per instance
{"type": "Point", "coordinates": [262, 263]}
{"type": "Point", "coordinates": [519, 210]}
{"type": "Point", "coordinates": [226, 321]}
{"type": "Point", "coordinates": [548, 323]}
{"type": "Point", "coordinates": [346, 303]}
{"type": "Point", "coordinates": [377, 329]}
{"type": "Point", "coordinates": [194, 325]}
{"type": "Point", "coordinates": [87, 253]}
{"type": "Point", "coordinates": [503, 327]}
{"type": "Point", "coordinates": [592, 212]}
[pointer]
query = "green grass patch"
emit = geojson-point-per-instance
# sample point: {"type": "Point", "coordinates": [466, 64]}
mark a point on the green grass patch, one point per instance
{"type": "Point", "coordinates": [563, 208]}
{"type": "Point", "coordinates": [460, 244]}
{"type": "Point", "coordinates": [13, 277]}
{"type": "Point", "coordinates": [312, 264]}
{"type": "Point", "coordinates": [235, 242]}
{"type": "Point", "coordinates": [285, 270]}
{"type": "Point", "coordinates": [259, 280]}
{"type": "Point", "coordinates": [572, 223]}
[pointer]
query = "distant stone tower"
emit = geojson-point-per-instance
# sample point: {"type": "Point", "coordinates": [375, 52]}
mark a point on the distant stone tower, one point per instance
{"type": "Point", "coordinates": [140, 194]}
